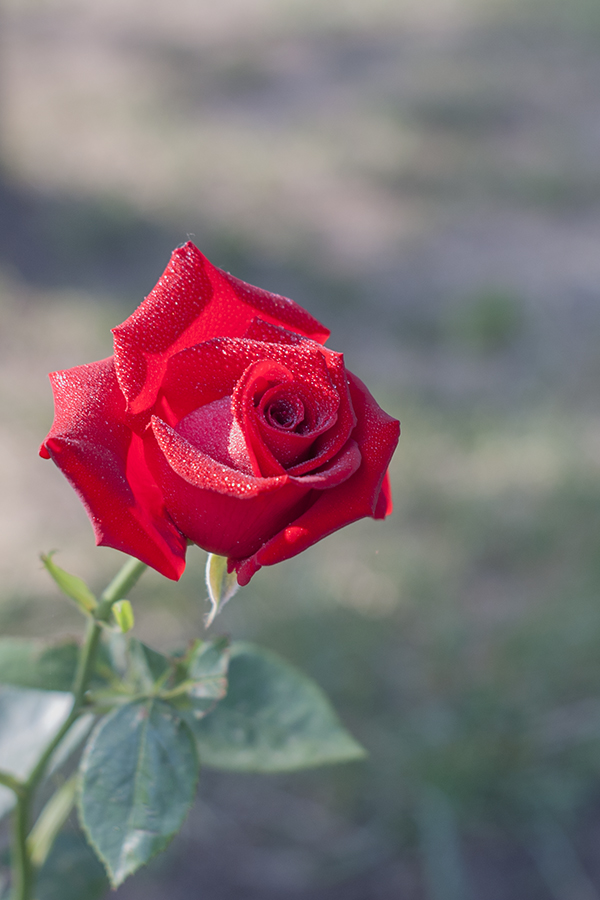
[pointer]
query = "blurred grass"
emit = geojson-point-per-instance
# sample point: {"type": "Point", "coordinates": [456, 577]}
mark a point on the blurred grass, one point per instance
{"type": "Point", "coordinates": [425, 180]}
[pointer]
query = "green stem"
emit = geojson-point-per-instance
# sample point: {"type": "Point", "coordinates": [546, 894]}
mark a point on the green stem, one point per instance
{"type": "Point", "coordinates": [85, 663]}
{"type": "Point", "coordinates": [23, 869]}
{"type": "Point", "coordinates": [24, 874]}
{"type": "Point", "coordinates": [11, 782]}
{"type": "Point", "coordinates": [120, 586]}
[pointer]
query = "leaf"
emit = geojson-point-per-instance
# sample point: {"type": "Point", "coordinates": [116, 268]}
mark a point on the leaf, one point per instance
{"type": "Point", "coordinates": [31, 664]}
{"type": "Point", "coordinates": [138, 778]}
{"type": "Point", "coordinates": [204, 674]}
{"type": "Point", "coordinates": [71, 871]}
{"type": "Point", "coordinates": [138, 665]}
{"type": "Point", "coordinates": [123, 613]}
{"type": "Point", "coordinates": [28, 722]}
{"type": "Point", "coordinates": [208, 659]}
{"type": "Point", "coordinates": [221, 585]}
{"type": "Point", "coordinates": [273, 719]}
{"type": "Point", "coordinates": [71, 585]}
{"type": "Point", "coordinates": [147, 665]}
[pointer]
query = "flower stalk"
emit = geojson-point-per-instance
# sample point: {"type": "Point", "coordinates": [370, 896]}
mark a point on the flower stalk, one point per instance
{"type": "Point", "coordinates": [23, 868]}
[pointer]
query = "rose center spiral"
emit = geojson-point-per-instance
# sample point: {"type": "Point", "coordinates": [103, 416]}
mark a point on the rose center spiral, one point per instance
{"type": "Point", "coordinates": [283, 413]}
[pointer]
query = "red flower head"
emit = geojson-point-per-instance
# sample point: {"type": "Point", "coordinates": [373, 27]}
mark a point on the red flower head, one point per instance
{"type": "Point", "coordinates": [223, 420]}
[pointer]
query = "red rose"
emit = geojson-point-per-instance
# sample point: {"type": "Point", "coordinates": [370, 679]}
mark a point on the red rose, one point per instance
{"type": "Point", "coordinates": [221, 419]}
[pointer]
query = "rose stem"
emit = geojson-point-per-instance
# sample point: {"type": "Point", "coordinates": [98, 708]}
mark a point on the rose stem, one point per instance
{"type": "Point", "coordinates": [23, 869]}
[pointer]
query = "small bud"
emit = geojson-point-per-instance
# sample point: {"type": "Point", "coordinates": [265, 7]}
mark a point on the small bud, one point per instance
{"type": "Point", "coordinates": [123, 613]}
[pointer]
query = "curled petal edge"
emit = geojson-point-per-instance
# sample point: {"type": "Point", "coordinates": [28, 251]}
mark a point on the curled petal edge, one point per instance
{"type": "Point", "coordinates": [202, 471]}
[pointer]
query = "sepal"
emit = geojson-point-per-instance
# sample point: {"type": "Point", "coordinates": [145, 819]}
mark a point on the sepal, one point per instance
{"type": "Point", "coordinates": [221, 584]}
{"type": "Point", "coordinates": [71, 585]}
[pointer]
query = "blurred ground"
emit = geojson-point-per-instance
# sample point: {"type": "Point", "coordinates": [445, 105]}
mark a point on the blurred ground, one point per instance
{"type": "Point", "coordinates": [425, 179]}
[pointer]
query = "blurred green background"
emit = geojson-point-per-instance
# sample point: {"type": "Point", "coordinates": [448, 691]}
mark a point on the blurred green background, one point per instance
{"type": "Point", "coordinates": [425, 179]}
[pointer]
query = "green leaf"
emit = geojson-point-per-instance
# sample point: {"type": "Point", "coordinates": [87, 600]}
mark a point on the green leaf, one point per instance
{"type": "Point", "coordinates": [71, 585]}
{"type": "Point", "coordinates": [28, 722]}
{"type": "Point", "coordinates": [31, 664]}
{"type": "Point", "coordinates": [207, 660]}
{"type": "Point", "coordinates": [123, 613]}
{"type": "Point", "coordinates": [71, 871]}
{"type": "Point", "coordinates": [221, 585]}
{"type": "Point", "coordinates": [138, 778]}
{"type": "Point", "coordinates": [147, 665]}
{"type": "Point", "coordinates": [202, 676]}
{"type": "Point", "coordinates": [273, 719]}
{"type": "Point", "coordinates": [137, 665]}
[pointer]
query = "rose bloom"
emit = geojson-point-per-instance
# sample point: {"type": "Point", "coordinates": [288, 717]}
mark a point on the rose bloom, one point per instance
{"type": "Point", "coordinates": [220, 420]}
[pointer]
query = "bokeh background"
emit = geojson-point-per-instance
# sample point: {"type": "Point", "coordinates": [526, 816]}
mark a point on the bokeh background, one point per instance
{"type": "Point", "coordinates": [424, 177]}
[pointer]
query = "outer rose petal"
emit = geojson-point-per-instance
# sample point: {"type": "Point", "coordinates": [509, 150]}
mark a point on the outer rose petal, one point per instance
{"type": "Point", "coordinates": [384, 507]}
{"type": "Point", "coordinates": [193, 302]}
{"type": "Point", "coordinates": [92, 443]}
{"type": "Point", "coordinates": [259, 330]}
{"type": "Point", "coordinates": [376, 435]}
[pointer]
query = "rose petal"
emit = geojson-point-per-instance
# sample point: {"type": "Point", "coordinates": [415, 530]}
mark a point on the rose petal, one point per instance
{"type": "Point", "coordinates": [209, 371]}
{"type": "Point", "coordinates": [193, 302]}
{"type": "Point", "coordinates": [218, 507]}
{"type": "Point", "coordinates": [276, 309]}
{"type": "Point", "coordinates": [202, 374]}
{"type": "Point", "coordinates": [309, 413]}
{"type": "Point", "coordinates": [91, 441]}
{"type": "Point", "coordinates": [213, 430]}
{"type": "Point", "coordinates": [342, 467]}
{"type": "Point", "coordinates": [274, 450]}
{"type": "Point", "coordinates": [333, 439]}
{"type": "Point", "coordinates": [376, 435]}
{"type": "Point", "coordinates": [259, 330]}
{"type": "Point", "coordinates": [256, 377]}
{"type": "Point", "coordinates": [384, 505]}
{"type": "Point", "coordinates": [201, 470]}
